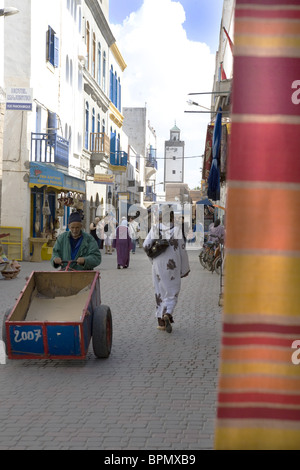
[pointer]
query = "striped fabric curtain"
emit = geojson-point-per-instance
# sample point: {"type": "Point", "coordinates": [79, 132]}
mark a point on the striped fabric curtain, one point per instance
{"type": "Point", "coordinates": [259, 373]}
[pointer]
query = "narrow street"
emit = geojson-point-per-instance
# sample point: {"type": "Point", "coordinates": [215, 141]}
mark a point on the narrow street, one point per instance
{"type": "Point", "coordinates": [156, 391]}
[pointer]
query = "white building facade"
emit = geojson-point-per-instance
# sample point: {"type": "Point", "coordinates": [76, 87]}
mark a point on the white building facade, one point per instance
{"type": "Point", "coordinates": [142, 137]}
{"type": "Point", "coordinates": [61, 53]}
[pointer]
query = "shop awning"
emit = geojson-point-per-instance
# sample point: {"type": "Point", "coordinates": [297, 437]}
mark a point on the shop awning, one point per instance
{"type": "Point", "coordinates": [44, 174]}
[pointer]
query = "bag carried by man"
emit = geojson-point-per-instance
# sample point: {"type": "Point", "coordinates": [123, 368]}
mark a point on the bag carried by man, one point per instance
{"type": "Point", "coordinates": [159, 246]}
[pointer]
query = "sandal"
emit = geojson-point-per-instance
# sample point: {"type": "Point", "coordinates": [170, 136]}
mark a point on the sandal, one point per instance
{"type": "Point", "coordinates": [161, 324]}
{"type": "Point", "coordinates": [167, 320]}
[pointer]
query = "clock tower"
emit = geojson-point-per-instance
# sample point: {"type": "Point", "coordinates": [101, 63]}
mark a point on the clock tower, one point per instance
{"type": "Point", "coordinates": [174, 158]}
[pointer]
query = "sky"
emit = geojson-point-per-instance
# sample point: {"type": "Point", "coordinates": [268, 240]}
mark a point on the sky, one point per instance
{"type": "Point", "coordinates": [169, 47]}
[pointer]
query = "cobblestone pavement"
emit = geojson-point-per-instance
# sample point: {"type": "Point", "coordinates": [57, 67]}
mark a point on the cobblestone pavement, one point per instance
{"type": "Point", "coordinates": [156, 391]}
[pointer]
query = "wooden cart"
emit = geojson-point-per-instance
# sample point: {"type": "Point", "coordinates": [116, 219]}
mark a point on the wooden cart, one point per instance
{"type": "Point", "coordinates": [56, 316]}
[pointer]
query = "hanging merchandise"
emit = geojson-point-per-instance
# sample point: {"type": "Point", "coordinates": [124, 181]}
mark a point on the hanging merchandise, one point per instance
{"type": "Point", "coordinates": [46, 208]}
{"type": "Point", "coordinates": [213, 191]}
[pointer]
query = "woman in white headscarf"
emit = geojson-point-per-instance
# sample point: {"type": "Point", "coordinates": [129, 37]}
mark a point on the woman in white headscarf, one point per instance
{"type": "Point", "coordinates": [123, 245]}
{"type": "Point", "coordinates": [168, 268]}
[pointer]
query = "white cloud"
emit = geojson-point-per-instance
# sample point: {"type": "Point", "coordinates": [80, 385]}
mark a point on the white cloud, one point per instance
{"type": "Point", "coordinates": [163, 67]}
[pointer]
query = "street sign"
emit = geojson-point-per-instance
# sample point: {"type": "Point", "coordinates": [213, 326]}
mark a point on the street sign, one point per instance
{"type": "Point", "coordinates": [19, 98]}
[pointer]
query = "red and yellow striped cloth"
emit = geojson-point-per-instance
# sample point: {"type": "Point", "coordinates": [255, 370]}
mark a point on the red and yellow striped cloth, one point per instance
{"type": "Point", "coordinates": [259, 384]}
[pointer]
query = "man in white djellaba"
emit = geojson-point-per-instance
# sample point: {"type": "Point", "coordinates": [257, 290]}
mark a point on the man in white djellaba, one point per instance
{"type": "Point", "coordinates": [168, 268]}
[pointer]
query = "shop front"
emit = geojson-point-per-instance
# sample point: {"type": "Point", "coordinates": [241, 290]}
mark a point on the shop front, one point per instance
{"type": "Point", "coordinates": [53, 196]}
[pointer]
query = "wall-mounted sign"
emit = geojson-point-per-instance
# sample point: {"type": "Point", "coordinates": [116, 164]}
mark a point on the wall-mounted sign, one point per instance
{"type": "Point", "coordinates": [19, 98]}
{"type": "Point", "coordinates": [42, 174]}
{"type": "Point", "coordinates": [104, 179]}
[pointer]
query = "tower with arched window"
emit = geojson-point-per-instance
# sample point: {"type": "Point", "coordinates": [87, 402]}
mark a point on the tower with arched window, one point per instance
{"type": "Point", "coordinates": [174, 157]}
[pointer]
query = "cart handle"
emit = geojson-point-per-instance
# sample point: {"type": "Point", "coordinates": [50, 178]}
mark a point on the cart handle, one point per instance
{"type": "Point", "coordinates": [68, 267]}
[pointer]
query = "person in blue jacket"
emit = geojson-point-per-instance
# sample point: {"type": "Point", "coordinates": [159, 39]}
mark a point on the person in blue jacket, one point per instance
{"type": "Point", "coordinates": [76, 245]}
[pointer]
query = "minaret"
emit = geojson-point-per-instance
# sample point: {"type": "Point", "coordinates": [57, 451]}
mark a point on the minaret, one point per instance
{"type": "Point", "coordinates": [174, 158]}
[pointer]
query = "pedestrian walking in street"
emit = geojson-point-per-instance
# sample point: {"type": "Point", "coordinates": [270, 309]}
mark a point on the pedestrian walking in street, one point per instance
{"type": "Point", "coordinates": [76, 245]}
{"type": "Point", "coordinates": [133, 228]}
{"type": "Point", "coordinates": [109, 231]}
{"type": "Point", "coordinates": [123, 244]}
{"type": "Point", "coordinates": [93, 232]}
{"type": "Point", "coordinates": [168, 268]}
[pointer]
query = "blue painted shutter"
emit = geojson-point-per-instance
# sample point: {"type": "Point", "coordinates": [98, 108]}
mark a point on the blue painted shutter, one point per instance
{"type": "Point", "coordinates": [111, 85]}
{"type": "Point", "coordinates": [113, 148]}
{"type": "Point", "coordinates": [56, 51]}
{"type": "Point", "coordinates": [120, 102]}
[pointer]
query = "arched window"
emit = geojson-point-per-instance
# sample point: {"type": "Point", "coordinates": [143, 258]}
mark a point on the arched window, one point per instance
{"type": "Point", "coordinates": [79, 20]}
{"type": "Point", "coordinates": [87, 45]}
{"type": "Point", "coordinates": [71, 72]}
{"type": "Point", "coordinates": [115, 101]}
{"type": "Point", "coordinates": [119, 95]}
{"type": "Point", "coordinates": [87, 117]}
{"type": "Point", "coordinates": [94, 56]}
{"type": "Point", "coordinates": [99, 65]}
{"type": "Point", "coordinates": [93, 130]}
{"type": "Point", "coordinates": [75, 12]}
{"type": "Point", "coordinates": [111, 84]}
{"type": "Point", "coordinates": [104, 71]}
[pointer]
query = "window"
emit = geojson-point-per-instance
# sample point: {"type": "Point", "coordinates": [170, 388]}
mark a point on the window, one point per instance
{"type": "Point", "coordinates": [71, 72]}
{"type": "Point", "coordinates": [87, 116]}
{"type": "Point", "coordinates": [173, 172]}
{"type": "Point", "coordinates": [115, 89]}
{"type": "Point", "coordinates": [94, 56]}
{"type": "Point", "coordinates": [119, 95]}
{"type": "Point", "coordinates": [111, 91]}
{"type": "Point", "coordinates": [87, 45]}
{"type": "Point", "coordinates": [104, 71]}
{"type": "Point", "coordinates": [52, 52]}
{"type": "Point", "coordinates": [79, 20]}
{"type": "Point", "coordinates": [93, 128]}
{"type": "Point", "coordinates": [67, 69]}
{"type": "Point", "coordinates": [99, 64]}
{"type": "Point", "coordinates": [174, 158]}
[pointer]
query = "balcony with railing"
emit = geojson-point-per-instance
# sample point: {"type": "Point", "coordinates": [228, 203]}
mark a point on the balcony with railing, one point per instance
{"type": "Point", "coordinates": [118, 160]}
{"type": "Point", "coordinates": [150, 196]}
{"type": "Point", "coordinates": [99, 147]}
{"type": "Point", "coordinates": [99, 143]}
{"type": "Point", "coordinates": [151, 162]}
{"type": "Point", "coordinates": [49, 148]}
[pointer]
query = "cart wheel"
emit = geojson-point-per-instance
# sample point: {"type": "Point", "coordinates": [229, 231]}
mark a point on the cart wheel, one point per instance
{"type": "Point", "coordinates": [102, 331]}
{"type": "Point", "coordinates": [4, 339]}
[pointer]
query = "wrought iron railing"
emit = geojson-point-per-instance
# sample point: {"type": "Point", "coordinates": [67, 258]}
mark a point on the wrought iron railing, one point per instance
{"type": "Point", "coordinates": [49, 148]}
{"type": "Point", "coordinates": [118, 158]}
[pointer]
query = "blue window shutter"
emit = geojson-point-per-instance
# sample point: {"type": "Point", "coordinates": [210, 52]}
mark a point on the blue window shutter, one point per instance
{"type": "Point", "coordinates": [113, 148]}
{"type": "Point", "coordinates": [120, 102]}
{"type": "Point", "coordinates": [56, 51]}
{"type": "Point", "coordinates": [48, 42]}
{"type": "Point", "coordinates": [111, 85]}
{"type": "Point", "coordinates": [115, 90]}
